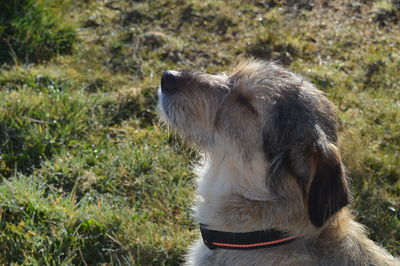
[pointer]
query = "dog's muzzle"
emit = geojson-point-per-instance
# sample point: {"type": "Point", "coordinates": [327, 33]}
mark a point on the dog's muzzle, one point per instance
{"type": "Point", "coordinates": [170, 82]}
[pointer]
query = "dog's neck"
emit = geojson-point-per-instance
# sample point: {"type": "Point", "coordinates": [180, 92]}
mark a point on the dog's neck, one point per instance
{"type": "Point", "coordinates": [222, 207]}
{"type": "Point", "coordinates": [234, 197]}
{"type": "Point", "coordinates": [221, 175]}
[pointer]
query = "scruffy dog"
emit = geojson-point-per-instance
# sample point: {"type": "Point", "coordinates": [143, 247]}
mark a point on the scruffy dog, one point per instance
{"type": "Point", "coordinates": [272, 189]}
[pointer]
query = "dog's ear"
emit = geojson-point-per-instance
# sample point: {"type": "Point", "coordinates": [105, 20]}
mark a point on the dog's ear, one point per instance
{"type": "Point", "coordinates": [329, 191]}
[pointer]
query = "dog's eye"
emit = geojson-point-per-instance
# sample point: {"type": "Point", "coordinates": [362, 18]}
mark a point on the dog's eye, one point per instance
{"type": "Point", "coordinates": [243, 101]}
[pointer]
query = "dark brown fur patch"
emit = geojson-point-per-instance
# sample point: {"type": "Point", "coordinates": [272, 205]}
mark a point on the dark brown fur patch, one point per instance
{"type": "Point", "coordinates": [245, 102]}
{"type": "Point", "coordinates": [329, 191]}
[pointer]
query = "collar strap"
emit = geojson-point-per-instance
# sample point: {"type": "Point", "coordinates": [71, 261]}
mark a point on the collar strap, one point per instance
{"type": "Point", "coordinates": [249, 240]}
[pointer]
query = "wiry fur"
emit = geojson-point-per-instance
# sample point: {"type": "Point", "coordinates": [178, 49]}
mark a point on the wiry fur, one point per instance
{"type": "Point", "coordinates": [270, 140]}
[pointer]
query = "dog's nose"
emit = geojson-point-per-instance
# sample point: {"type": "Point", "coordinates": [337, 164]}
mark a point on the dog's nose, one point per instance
{"type": "Point", "coordinates": [170, 81]}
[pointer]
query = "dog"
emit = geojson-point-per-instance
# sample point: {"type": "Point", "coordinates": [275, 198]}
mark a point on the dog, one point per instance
{"type": "Point", "coordinates": [272, 188]}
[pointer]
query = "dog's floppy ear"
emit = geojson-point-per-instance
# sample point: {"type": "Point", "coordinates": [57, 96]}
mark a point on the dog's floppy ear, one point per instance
{"type": "Point", "coordinates": [329, 191]}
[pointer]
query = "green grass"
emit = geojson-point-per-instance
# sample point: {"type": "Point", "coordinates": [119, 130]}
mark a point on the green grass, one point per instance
{"type": "Point", "coordinates": [33, 30]}
{"type": "Point", "coordinates": [89, 177]}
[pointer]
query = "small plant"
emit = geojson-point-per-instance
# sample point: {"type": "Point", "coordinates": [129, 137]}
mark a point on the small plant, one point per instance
{"type": "Point", "coordinates": [35, 124]}
{"type": "Point", "coordinates": [31, 32]}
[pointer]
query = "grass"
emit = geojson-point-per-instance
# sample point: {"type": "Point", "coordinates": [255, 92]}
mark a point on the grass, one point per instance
{"type": "Point", "coordinates": [89, 177]}
{"type": "Point", "coordinates": [33, 30]}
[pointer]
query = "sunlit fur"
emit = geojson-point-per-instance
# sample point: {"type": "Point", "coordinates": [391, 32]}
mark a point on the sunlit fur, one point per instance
{"type": "Point", "coordinates": [271, 160]}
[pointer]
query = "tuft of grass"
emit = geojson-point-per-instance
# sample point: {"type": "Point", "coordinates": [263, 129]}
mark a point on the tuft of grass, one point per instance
{"type": "Point", "coordinates": [32, 30]}
{"type": "Point", "coordinates": [106, 202]}
{"type": "Point", "coordinates": [41, 228]}
{"type": "Point", "coordinates": [37, 121]}
{"type": "Point", "coordinates": [386, 12]}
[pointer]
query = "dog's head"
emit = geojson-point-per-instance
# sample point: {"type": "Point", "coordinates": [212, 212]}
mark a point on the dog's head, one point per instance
{"type": "Point", "coordinates": [262, 109]}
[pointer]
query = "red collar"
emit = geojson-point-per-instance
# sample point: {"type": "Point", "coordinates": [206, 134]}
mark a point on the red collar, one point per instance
{"type": "Point", "coordinates": [249, 240]}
